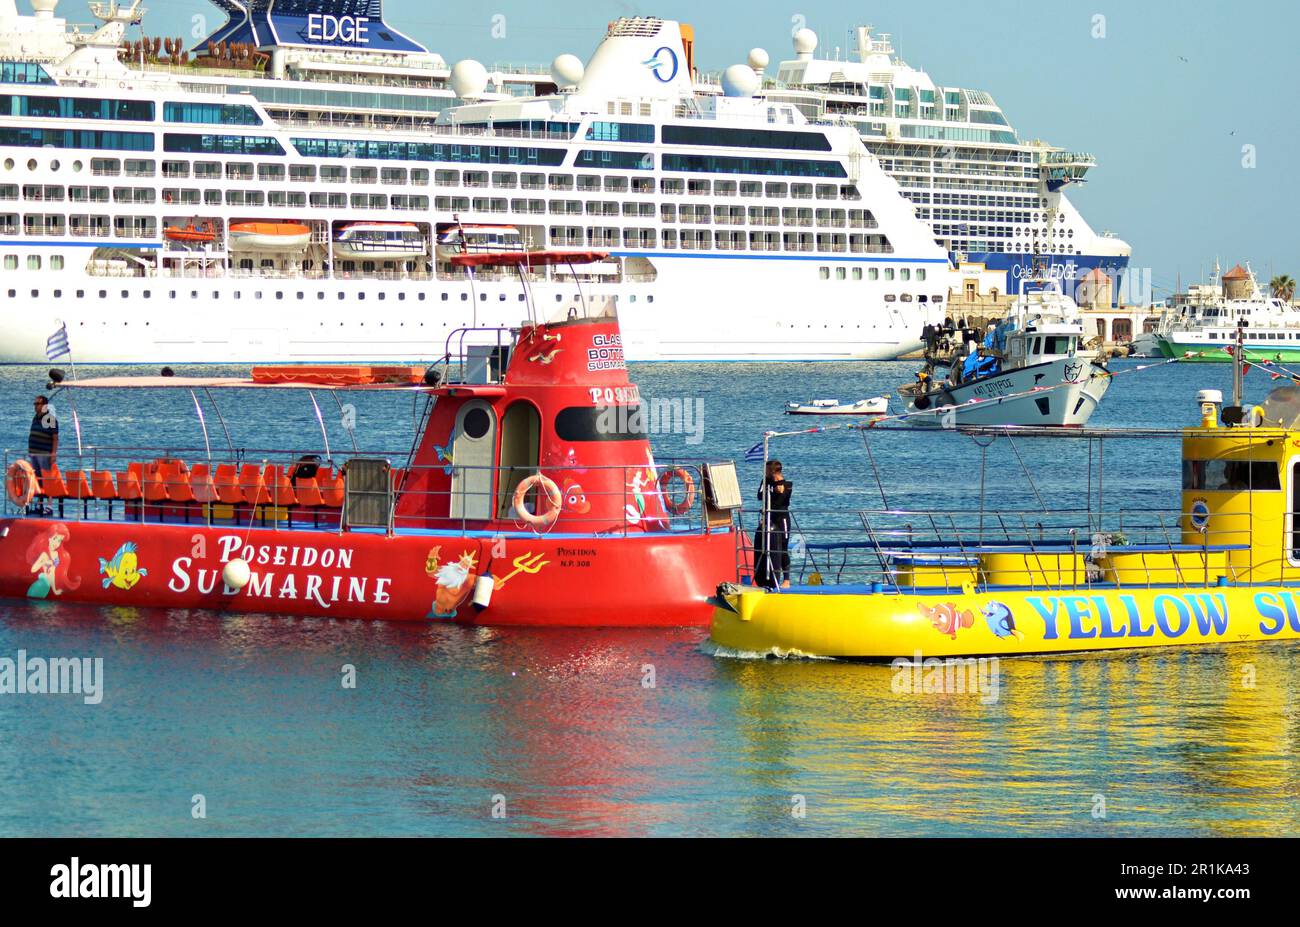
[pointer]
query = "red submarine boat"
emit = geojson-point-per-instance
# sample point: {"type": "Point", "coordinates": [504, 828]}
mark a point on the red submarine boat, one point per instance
{"type": "Point", "coordinates": [529, 496]}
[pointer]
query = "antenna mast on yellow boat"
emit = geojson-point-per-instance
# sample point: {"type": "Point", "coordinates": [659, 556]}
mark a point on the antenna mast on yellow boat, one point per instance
{"type": "Point", "coordinates": [1238, 370]}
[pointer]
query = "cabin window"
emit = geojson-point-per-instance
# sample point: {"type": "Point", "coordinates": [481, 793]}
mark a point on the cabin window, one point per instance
{"type": "Point", "coordinates": [601, 423]}
{"type": "Point", "coordinates": [1231, 475]}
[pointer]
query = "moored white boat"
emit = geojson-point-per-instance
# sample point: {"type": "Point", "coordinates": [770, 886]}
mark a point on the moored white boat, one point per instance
{"type": "Point", "coordinates": [1028, 372]}
{"type": "Point", "coordinates": [1062, 392]}
{"type": "Point", "coordinates": [878, 405]}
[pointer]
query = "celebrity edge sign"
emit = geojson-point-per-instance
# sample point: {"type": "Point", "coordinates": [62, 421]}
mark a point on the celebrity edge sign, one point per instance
{"type": "Point", "coordinates": [348, 30]}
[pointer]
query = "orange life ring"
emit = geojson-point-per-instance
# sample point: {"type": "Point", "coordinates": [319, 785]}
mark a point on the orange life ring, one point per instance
{"type": "Point", "coordinates": [665, 478]}
{"type": "Point", "coordinates": [20, 483]}
{"type": "Point", "coordinates": [552, 500]}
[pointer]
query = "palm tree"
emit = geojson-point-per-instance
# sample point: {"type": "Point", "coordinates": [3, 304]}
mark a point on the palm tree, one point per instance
{"type": "Point", "coordinates": [1283, 287]}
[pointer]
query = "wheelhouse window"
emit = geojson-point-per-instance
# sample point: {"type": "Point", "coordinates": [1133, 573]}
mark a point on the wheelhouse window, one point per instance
{"type": "Point", "coordinates": [601, 423]}
{"type": "Point", "coordinates": [1231, 475]}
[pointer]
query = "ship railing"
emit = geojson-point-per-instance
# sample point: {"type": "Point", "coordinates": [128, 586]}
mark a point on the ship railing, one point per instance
{"type": "Point", "coordinates": [365, 490]}
{"type": "Point", "coordinates": [1033, 549]}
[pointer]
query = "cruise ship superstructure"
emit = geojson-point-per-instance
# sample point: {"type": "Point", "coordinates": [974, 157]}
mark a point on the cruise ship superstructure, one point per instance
{"type": "Point", "coordinates": [990, 197]}
{"type": "Point", "coordinates": [168, 213]}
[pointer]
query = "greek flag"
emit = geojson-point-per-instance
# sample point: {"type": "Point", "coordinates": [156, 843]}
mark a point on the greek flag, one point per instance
{"type": "Point", "coordinates": [755, 452]}
{"type": "Point", "coordinates": [57, 346]}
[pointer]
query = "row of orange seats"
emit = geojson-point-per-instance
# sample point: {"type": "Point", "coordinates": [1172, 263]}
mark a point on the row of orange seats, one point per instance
{"type": "Point", "coordinates": [171, 481]}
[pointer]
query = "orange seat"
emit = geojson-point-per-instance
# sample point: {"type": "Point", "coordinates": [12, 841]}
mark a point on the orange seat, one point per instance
{"type": "Point", "coordinates": [280, 488]}
{"type": "Point", "coordinates": [101, 485]}
{"type": "Point", "coordinates": [331, 488]}
{"type": "Point", "coordinates": [52, 484]}
{"type": "Point", "coordinates": [227, 485]}
{"type": "Point", "coordinates": [128, 484]}
{"type": "Point", "coordinates": [253, 486]}
{"type": "Point", "coordinates": [155, 490]}
{"type": "Point", "coordinates": [79, 486]}
{"type": "Point", "coordinates": [176, 483]}
{"type": "Point", "coordinates": [202, 488]}
{"type": "Point", "coordinates": [308, 492]}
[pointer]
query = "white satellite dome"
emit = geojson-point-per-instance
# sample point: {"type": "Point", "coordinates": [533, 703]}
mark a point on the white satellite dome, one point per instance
{"type": "Point", "coordinates": [567, 71]}
{"type": "Point", "coordinates": [739, 80]}
{"type": "Point", "coordinates": [758, 59]}
{"type": "Point", "coordinates": [805, 43]}
{"type": "Point", "coordinates": [468, 79]}
{"type": "Point", "coordinates": [44, 6]}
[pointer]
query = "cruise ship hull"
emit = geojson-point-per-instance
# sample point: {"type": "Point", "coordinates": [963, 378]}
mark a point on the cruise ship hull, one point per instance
{"type": "Point", "coordinates": [688, 313]}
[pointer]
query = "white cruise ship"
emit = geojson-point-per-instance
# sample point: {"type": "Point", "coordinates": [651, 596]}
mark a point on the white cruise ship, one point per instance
{"type": "Point", "coordinates": [261, 207]}
{"type": "Point", "coordinates": [990, 197]}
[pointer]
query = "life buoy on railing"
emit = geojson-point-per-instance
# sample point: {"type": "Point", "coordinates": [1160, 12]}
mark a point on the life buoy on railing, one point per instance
{"type": "Point", "coordinates": [551, 501]}
{"type": "Point", "coordinates": [20, 483]}
{"type": "Point", "coordinates": [688, 481]}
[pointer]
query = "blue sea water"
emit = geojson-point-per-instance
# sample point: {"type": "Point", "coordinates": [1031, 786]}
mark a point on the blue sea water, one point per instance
{"type": "Point", "coordinates": [561, 731]}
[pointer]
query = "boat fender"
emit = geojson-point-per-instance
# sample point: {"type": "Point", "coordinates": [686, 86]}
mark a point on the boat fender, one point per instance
{"type": "Point", "coordinates": [922, 401]}
{"type": "Point", "coordinates": [551, 501]}
{"type": "Point", "coordinates": [483, 587]}
{"type": "Point", "coordinates": [236, 574]}
{"type": "Point", "coordinates": [20, 483]}
{"type": "Point", "coordinates": [688, 481]}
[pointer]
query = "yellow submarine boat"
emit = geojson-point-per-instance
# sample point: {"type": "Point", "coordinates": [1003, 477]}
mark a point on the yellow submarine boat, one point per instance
{"type": "Point", "coordinates": [1225, 569]}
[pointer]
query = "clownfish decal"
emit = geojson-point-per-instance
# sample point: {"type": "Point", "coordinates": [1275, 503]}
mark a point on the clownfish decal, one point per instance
{"type": "Point", "coordinates": [575, 499]}
{"type": "Point", "coordinates": [948, 619]}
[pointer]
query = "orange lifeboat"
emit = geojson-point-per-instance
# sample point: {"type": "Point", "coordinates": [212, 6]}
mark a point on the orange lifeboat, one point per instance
{"type": "Point", "coordinates": [190, 234]}
{"type": "Point", "coordinates": [269, 236]}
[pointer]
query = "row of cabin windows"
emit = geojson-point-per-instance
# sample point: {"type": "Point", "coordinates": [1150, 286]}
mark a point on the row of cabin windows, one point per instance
{"type": "Point", "coordinates": [874, 273]}
{"type": "Point", "coordinates": [309, 173]}
{"type": "Point", "coordinates": [306, 173]}
{"type": "Point", "coordinates": [281, 295]}
{"type": "Point", "coordinates": [56, 107]}
{"type": "Point", "coordinates": [704, 240]}
{"type": "Point", "coordinates": [1255, 336]}
{"type": "Point", "coordinates": [34, 262]}
{"type": "Point", "coordinates": [43, 225]}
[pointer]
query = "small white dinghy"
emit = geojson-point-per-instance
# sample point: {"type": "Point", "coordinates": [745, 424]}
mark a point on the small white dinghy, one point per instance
{"type": "Point", "coordinates": [876, 406]}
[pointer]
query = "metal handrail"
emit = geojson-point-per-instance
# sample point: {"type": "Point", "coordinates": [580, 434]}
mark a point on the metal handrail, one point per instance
{"type": "Point", "coordinates": [424, 509]}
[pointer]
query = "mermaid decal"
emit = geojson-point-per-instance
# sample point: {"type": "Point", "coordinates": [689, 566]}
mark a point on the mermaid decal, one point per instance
{"type": "Point", "coordinates": [50, 562]}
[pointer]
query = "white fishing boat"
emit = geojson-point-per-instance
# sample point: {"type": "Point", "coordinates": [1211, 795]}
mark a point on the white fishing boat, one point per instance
{"type": "Point", "coordinates": [878, 405]}
{"type": "Point", "coordinates": [380, 241]}
{"type": "Point", "coordinates": [1028, 372]}
{"type": "Point", "coordinates": [1146, 344]}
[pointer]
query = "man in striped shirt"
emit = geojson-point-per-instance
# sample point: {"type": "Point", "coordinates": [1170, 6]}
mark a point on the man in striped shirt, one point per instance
{"type": "Point", "coordinates": [43, 442]}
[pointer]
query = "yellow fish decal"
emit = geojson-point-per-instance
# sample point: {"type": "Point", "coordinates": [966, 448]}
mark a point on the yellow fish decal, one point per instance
{"type": "Point", "coordinates": [124, 570]}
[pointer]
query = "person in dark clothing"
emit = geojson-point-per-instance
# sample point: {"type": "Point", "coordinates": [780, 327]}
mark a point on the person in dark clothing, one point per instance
{"type": "Point", "coordinates": [772, 539]}
{"type": "Point", "coordinates": [43, 441]}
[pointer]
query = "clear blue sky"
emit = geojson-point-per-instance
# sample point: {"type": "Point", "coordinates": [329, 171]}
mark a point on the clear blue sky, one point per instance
{"type": "Point", "coordinates": [1168, 132]}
